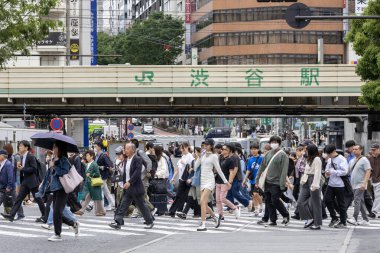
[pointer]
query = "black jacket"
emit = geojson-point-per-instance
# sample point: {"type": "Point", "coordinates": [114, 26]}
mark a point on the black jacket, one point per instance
{"type": "Point", "coordinates": [137, 186]}
{"type": "Point", "coordinates": [28, 174]}
{"type": "Point", "coordinates": [105, 162]}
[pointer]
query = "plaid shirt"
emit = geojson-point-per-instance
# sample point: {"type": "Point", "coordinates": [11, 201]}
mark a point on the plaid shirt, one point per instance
{"type": "Point", "coordinates": [300, 166]}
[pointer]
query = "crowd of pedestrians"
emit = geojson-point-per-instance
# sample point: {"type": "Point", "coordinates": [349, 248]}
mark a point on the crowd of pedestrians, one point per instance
{"type": "Point", "coordinates": [212, 179]}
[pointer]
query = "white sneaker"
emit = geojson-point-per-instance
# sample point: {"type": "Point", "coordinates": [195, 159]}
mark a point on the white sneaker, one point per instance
{"type": "Point", "coordinates": [48, 227]}
{"type": "Point", "coordinates": [216, 220]}
{"type": "Point", "coordinates": [55, 238]}
{"type": "Point", "coordinates": [237, 212]}
{"type": "Point", "coordinates": [352, 221]}
{"type": "Point", "coordinates": [364, 223]}
{"type": "Point", "coordinates": [110, 208]}
{"type": "Point", "coordinates": [202, 228]}
{"type": "Point", "coordinates": [135, 214]}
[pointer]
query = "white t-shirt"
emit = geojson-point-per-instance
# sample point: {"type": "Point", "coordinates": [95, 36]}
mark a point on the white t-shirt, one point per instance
{"type": "Point", "coordinates": [341, 169]}
{"type": "Point", "coordinates": [186, 159]}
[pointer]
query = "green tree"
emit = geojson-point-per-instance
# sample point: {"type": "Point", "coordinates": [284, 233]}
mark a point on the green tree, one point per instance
{"type": "Point", "coordinates": [22, 24]}
{"type": "Point", "coordinates": [155, 41]}
{"type": "Point", "coordinates": [365, 35]}
{"type": "Point", "coordinates": [106, 47]}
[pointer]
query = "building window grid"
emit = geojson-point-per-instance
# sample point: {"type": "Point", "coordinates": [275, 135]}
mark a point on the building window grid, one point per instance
{"type": "Point", "coordinates": [254, 14]}
{"type": "Point", "coordinates": [270, 37]}
{"type": "Point", "coordinates": [273, 59]}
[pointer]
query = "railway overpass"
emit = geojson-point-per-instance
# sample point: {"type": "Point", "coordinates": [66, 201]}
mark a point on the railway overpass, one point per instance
{"type": "Point", "coordinates": [179, 90]}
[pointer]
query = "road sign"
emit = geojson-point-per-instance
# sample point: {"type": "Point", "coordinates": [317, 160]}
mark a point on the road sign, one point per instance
{"type": "Point", "coordinates": [130, 127]}
{"type": "Point", "coordinates": [130, 135]}
{"type": "Point", "coordinates": [56, 124]}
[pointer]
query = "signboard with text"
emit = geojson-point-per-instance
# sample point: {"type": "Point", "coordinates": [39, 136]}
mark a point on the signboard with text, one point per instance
{"type": "Point", "coordinates": [53, 39]}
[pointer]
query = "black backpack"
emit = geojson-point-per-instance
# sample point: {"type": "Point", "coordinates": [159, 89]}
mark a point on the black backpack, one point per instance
{"type": "Point", "coordinates": [41, 171]}
{"type": "Point", "coordinates": [154, 165]}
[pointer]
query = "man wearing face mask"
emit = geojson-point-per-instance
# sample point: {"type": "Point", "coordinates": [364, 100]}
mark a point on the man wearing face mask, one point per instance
{"type": "Point", "coordinates": [275, 180]}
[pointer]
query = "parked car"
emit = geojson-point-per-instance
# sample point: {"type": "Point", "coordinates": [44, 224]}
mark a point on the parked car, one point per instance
{"type": "Point", "coordinates": [147, 129]}
{"type": "Point", "coordinates": [218, 132]}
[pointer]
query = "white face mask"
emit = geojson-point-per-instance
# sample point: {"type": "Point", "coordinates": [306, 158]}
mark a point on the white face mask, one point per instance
{"type": "Point", "coordinates": [274, 145]}
{"type": "Point", "coordinates": [324, 155]}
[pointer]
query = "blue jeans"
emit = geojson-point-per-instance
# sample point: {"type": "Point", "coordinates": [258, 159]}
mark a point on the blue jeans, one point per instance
{"type": "Point", "coordinates": [66, 212]}
{"type": "Point", "coordinates": [236, 193]}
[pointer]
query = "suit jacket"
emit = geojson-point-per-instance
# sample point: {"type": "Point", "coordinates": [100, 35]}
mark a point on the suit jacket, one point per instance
{"type": "Point", "coordinates": [28, 174]}
{"type": "Point", "coordinates": [137, 186]}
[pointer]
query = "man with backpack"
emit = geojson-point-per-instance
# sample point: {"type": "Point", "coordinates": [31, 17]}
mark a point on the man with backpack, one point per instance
{"type": "Point", "coordinates": [105, 166]}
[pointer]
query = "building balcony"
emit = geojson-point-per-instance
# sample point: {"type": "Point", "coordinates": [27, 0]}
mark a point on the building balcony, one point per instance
{"type": "Point", "coordinates": [60, 8]}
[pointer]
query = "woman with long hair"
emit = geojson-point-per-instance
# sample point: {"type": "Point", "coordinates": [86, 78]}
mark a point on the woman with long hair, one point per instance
{"type": "Point", "coordinates": [61, 166]}
{"type": "Point", "coordinates": [309, 201]}
{"type": "Point", "coordinates": [208, 162]}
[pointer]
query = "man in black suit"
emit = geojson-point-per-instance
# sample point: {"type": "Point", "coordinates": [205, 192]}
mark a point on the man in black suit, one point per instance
{"type": "Point", "coordinates": [29, 182]}
{"type": "Point", "coordinates": [133, 189]}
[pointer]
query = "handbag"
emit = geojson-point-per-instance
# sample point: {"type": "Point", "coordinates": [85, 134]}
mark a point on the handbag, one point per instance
{"type": "Point", "coordinates": [116, 178]}
{"type": "Point", "coordinates": [71, 180]}
{"type": "Point", "coordinates": [263, 176]}
{"type": "Point", "coordinates": [196, 180]}
{"type": "Point", "coordinates": [96, 181]}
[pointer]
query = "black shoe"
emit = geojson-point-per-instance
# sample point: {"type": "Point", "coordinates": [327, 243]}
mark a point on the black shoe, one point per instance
{"type": "Point", "coordinates": [315, 227]}
{"type": "Point", "coordinates": [40, 220]}
{"type": "Point", "coordinates": [89, 208]}
{"type": "Point", "coordinates": [221, 218]}
{"type": "Point", "coordinates": [295, 217]}
{"type": "Point", "coordinates": [286, 220]}
{"type": "Point", "coordinates": [7, 217]}
{"type": "Point", "coordinates": [182, 216]}
{"type": "Point", "coordinates": [333, 222]}
{"type": "Point", "coordinates": [372, 215]}
{"type": "Point", "coordinates": [272, 224]}
{"type": "Point", "coordinates": [114, 225]}
{"type": "Point", "coordinates": [309, 224]}
{"type": "Point", "coordinates": [340, 225]}
{"type": "Point", "coordinates": [149, 226]}
{"type": "Point", "coordinates": [262, 222]}
{"type": "Point", "coordinates": [20, 217]}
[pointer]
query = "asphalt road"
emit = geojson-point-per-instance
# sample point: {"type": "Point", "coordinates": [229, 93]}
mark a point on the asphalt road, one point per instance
{"type": "Point", "coordinates": [175, 235]}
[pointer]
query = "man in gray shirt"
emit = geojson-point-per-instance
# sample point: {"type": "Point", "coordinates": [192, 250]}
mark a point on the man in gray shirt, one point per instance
{"type": "Point", "coordinates": [361, 171]}
{"type": "Point", "coordinates": [336, 168]}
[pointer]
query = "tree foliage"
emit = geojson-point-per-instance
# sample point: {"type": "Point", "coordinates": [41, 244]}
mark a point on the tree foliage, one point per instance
{"type": "Point", "coordinates": [365, 35]}
{"type": "Point", "coordinates": [22, 24]}
{"type": "Point", "coordinates": [155, 41]}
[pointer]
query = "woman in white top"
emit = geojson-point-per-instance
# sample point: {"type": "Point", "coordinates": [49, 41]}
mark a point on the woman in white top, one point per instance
{"type": "Point", "coordinates": [207, 163]}
{"type": "Point", "coordinates": [309, 200]}
{"type": "Point", "coordinates": [162, 166]}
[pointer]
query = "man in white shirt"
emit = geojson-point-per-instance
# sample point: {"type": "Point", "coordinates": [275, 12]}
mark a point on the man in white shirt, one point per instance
{"type": "Point", "coordinates": [336, 168]}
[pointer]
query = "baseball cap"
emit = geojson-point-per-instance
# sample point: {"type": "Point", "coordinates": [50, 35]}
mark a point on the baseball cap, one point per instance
{"type": "Point", "coordinates": [375, 146]}
{"type": "Point", "coordinates": [119, 150]}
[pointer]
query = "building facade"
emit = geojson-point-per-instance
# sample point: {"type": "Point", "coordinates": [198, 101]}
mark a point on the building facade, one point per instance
{"type": "Point", "coordinates": [253, 32]}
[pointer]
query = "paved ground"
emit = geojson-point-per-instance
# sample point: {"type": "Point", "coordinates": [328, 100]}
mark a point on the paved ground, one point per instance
{"type": "Point", "coordinates": [175, 235]}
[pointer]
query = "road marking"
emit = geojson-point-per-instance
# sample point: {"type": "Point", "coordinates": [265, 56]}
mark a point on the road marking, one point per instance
{"type": "Point", "coordinates": [146, 244]}
{"type": "Point", "coordinates": [19, 234]}
{"type": "Point", "coordinates": [344, 247]}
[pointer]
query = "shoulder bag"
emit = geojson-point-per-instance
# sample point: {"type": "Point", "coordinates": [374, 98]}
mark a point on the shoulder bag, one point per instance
{"type": "Point", "coordinates": [71, 180]}
{"type": "Point", "coordinates": [263, 175]}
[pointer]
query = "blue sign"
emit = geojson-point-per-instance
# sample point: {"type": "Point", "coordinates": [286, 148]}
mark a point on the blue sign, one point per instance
{"type": "Point", "coordinates": [130, 135]}
{"type": "Point", "coordinates": [94, 33]}
{"type": "Point", "coordinates": [130, 127]}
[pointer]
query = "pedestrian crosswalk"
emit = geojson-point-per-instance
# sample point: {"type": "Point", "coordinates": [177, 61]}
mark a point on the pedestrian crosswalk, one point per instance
{"type": "Point", "coordinates": [92, 226]}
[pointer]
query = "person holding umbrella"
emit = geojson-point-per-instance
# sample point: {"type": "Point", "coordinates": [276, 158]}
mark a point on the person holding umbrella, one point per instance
{"type": "Point", "coordinates": [61, 166]}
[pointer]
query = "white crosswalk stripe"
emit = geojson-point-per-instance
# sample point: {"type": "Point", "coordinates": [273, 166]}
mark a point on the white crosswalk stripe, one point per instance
{"type": "Point", "coordinates": [91, 226]}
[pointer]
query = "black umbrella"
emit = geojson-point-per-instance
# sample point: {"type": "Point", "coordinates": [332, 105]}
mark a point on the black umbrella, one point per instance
{"type": "Point", "coordinates": [47, 140]}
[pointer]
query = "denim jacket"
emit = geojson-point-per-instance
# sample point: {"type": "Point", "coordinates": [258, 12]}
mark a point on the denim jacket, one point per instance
{"type": "Point", "coordinates": [61, 167]}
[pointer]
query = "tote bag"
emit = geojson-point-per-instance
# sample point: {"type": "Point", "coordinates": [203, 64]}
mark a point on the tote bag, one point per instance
{"type": "Point", "coordinates": [71, 180]}
{"type": "Point", "coordinates": [263, 176]}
